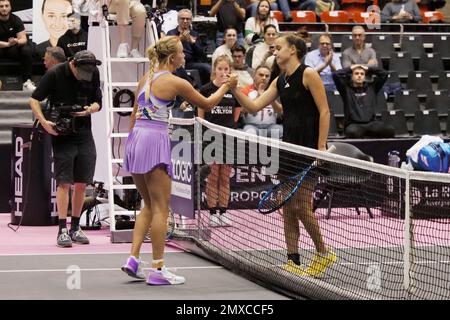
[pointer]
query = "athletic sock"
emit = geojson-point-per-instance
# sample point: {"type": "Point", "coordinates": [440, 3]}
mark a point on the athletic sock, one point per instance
{"type": "Point", "coordinates": [62, 224]}
{"type": "Point", "coordinates": [75, 223]}
{"type": "Point", "coordinates": [294, 257]}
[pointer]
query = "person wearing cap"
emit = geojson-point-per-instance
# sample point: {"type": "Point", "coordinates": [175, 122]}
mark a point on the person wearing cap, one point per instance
{"type": "Point", "coordinates": [72, 83]}
{"type": "Point", "coordinates": [75, 38]}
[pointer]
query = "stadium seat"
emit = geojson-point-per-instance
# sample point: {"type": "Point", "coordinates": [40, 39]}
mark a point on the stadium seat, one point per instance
{"type": "Point", "coordinates": [432, 63]}
{"type": "Point", "coordinates": [407, 101]}
{"type": "Point", "coordinates": [383, 45]}
{"type": "Point", "coordinates": [426, 122]}
{"type": "Point", "coordinates": [346, 178]}
{"type": "Point", "coordinates": [315, 42]}
{"type": "Point", "coordinates": [441, 44]}
{"type": "Point", "coordinates": [444, 80]}
{"type": "Point", "coordinates": [372, 18]}
{"type": "Point", "coordinates": [304, 16]}
{"type": "Point", "coordinates": [397, 119]}
{"type": "Point", "coordinates": [335, 103]}
{"type": "Point", "coordinates": [419, 81]}
{"type": "Point", "coordinates": [414, 45]}
{"type": "Point", "coordinates": [333, 130]}
{"type": "Point", "coordinates": [337, 16]}
{"type": "Point", "coordinates": [401, 62]}
{"type": "Point", "coordinates": [278, 15]}
{"type": "Point", "coordinates": [195, 75]}
{"type": "Point", "coordinates": [433, 17]}
{"type": "Point", "coordinates": [438, 100]}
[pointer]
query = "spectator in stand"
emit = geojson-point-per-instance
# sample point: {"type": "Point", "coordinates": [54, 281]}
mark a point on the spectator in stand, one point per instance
{"type": "Point", "coordinates": [282, 5]}
{"type": "Point", "coordinates": [303, 5]}
{"type": "Point", "coordinates": [262, 53]}
{"type": "Point", "coordinates": [53, 56]}
{"type": "Point", "coordinates": [244, 72]}
{"type": "Point", "coordinates": [359, 53]}
{"type": "Point", "coordinates": [324, 61]}
{"type": "Point", "coordinates": [75, 39]}
{"type": "Point", "coordinates": [14, 43]}
{"type": "Point", "coordinates": [230, 13]}
{"type": "Point", "coordinates": [126, 9]}
{"type": "Point", "coordinates": [254, 26]}
{"type": "Point", "coordinates": [263, 122]}
{"type": "Point", "coordinates": [303, 34]}
{"type": "Point", "coordinates": [360, 100]}
{"type": "Point", "coordinates": [193, 51]}
{"type": "Point", "coordinates": [229, 42]}
{"type": "Point", "coordinates": [401, 11]}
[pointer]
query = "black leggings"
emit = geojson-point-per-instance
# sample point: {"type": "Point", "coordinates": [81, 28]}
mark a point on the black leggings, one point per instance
{"type": "Point", "coordinates": [373, 129]}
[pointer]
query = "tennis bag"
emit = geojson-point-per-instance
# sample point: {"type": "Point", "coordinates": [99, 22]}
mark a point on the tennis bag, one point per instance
{"type": "Point", "coordinates": [434, 157]}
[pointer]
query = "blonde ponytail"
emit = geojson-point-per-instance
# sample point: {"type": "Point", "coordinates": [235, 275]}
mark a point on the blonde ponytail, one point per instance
{"type": "Point", "coordinates": [153, 57]}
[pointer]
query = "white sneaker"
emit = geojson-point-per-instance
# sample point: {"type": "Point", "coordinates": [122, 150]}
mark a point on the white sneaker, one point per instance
{"type": "Point", "coordinates": [163, 277]}
{"type": "Point", "coordinates": [226, 222]}
{"type": "Point", "coordinates": [135, 54]}
{"type": "Point", "coordinates": [122, 50]}
{"type": "Point", "coordinates": [215, 221]}
{"type": "Point", "coordinates": [29, 85]}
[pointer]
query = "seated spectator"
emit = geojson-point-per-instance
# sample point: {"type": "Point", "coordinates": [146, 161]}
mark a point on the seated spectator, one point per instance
{"type": "Point", "coordinates": [282, 5]}
{"type": "Point", "coordinates": [244, 72]}
{"type": "Point", "coordinates": [359, 54]}
{"type": "Point", "coordinates": [303, 34]}
{"type": "Point", "coordinates": [75, 39]}
{"type": "Point", "coordinates": [54, 56]}
{"type": "Point", "coordinates": [303, 5]}
{"type": "Point", "coordinates": [230, 13]}
{"type": "Point", "coordinates": [126, 9]}
{"type": "Point", "coordinates": [324, 61]}
{"type": "Point", "coordinates": [360, 100]}
{"type": "Point", "coordinates": [401, 11]}
{"type": "Point", "coordinates": [254, 26]}
{"type": "Point", "coordinates": [14, 43]}
{"type": "Point", "coordinates": [229, 42]}
{"type": "Point", "coordinates": [193, 51]}
{"type": "Point", "coordinates": [264, 122]}
{"type": "Point", "coordinates": [262, 53]}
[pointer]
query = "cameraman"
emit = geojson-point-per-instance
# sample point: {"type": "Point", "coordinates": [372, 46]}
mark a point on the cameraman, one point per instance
{"type": "Point", "coordinates": [68, 85]}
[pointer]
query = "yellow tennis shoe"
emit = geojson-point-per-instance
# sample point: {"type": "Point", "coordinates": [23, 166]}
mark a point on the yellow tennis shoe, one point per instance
{"type": "Point", "coordinates": [291, 267]}
{"type": "Point", "coordinates": [320, 263]}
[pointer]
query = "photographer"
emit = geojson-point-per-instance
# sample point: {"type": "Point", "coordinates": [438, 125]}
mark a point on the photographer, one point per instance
{"type": "Point", "coordinates": [73, 92]}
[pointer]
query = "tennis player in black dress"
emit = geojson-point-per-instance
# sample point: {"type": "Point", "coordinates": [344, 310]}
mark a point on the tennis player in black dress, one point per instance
{"type": "Point", "coordinates": [306, 119]}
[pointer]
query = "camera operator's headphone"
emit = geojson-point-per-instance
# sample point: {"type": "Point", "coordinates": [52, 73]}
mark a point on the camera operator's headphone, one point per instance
{"type": "Point", "coordinates": [124, 98]}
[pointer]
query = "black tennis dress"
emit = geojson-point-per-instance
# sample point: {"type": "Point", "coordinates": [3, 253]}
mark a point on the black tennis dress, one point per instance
{"type": "Point", "coordinates": [300, 120]}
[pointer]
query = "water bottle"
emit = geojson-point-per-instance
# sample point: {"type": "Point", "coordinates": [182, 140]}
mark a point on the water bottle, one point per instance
{"type": "Point", "coordinates": [394, 159]}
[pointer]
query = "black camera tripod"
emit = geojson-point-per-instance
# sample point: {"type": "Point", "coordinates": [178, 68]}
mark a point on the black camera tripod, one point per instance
{"type": "Point", "coordinates": [90, 204]}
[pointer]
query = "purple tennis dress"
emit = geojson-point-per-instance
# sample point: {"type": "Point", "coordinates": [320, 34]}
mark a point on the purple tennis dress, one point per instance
{"type": "Point", "coordinates": [148, 144]}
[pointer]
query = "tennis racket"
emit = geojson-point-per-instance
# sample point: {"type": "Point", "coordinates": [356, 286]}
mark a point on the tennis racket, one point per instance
{"type": "Point", "coordinates": [280, 194]}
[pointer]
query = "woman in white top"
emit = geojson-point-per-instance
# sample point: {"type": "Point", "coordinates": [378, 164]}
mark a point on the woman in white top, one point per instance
{"type": "Point", "coordinates": [230, 40]}
{"type": "Point", "coordinates": [254, 26]}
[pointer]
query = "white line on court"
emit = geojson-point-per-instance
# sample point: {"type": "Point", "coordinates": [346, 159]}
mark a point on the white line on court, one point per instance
{"type": "Point", "coordinates": [79, 253]}
{"type": "Point", "coordinates": [103, 269]}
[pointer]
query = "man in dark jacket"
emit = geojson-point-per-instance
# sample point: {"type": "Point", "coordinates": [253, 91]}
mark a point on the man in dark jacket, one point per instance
{"type": "Point", "coordinates": [75, 38]}
{"type": "Point", "coordinates": [360, 100]}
